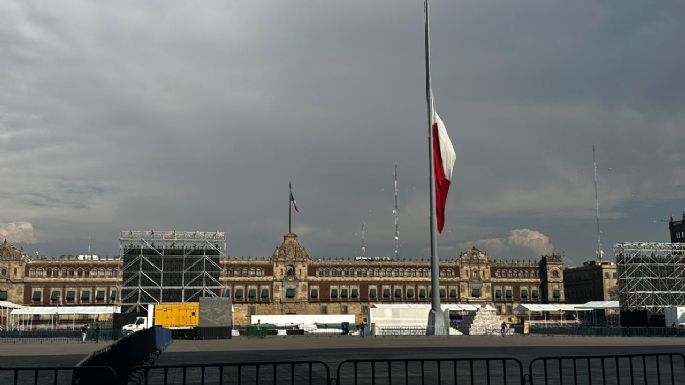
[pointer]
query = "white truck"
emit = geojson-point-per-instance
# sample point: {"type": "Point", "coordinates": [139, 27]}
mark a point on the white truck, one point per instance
{"type": "Point", "coordinates": [674, 315]}
{"type": "Point", "coordinates": [140, 323]}
{"type": "Point", "coordinates": [168, 315]}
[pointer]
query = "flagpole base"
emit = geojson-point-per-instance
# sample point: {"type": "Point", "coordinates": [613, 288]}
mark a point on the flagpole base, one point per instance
{"type": "Point", "coordinates": [438, 323]}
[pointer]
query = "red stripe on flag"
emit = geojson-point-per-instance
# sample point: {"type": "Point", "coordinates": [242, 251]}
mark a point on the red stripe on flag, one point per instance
{"type": "Point", "coordinates": [442, 184]}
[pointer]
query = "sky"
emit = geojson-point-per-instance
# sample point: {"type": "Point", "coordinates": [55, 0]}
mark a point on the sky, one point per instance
{"type": "Point", "coordinates": [195, 116]}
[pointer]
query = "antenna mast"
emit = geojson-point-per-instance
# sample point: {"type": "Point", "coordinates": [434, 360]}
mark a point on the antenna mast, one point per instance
{"type": "Point", "coordinates": [599, 234]}
{"type": "Point", "coordinates": [396, 214]}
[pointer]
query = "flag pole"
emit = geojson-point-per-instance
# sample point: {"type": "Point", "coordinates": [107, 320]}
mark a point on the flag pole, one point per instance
{"type": "Point", "coordinates": [290, 207]}
{"type": "Point", "coordinates": [436, 319]}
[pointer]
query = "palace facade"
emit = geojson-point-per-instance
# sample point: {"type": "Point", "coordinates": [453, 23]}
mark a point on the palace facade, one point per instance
{"type": "Point", "coordinates": [292, 282]}
{"type": "Point", "coordinates": [57, 281]}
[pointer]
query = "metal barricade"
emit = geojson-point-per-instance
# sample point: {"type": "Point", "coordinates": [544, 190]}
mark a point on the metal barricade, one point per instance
{"type": "Point", "coordinates": [244, 373]}
{"type": "Point", "coordinates": [471, 371]}
{"type": "Point", "coordinates": [57, 375]}
{"type": "Point", "coordinates": [632, 369]}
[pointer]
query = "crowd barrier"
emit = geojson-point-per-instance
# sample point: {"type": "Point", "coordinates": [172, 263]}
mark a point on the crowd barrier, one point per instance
{"type": "Point", "coordinates": [102, 375]}
{"type": "Point", "coordinates": [643, 369]}
{"type": "Point", "coordinates": [130, 351]}
{"type": "Point", "coordinates": [662, 368]}
{"type": "Point", "coordinates": [290, 372]}
{"type": "Point", "coordinates": [633, 369]}
{"type": "Point", "coordinates": [56, 335]}
{"type": "Point", "coordinates": [506, 371]}
{"type": "Point", "coordinates": [610, 331]}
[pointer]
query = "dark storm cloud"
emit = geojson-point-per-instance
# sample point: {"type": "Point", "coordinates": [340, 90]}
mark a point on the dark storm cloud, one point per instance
{"type": "Point", "coordinates": [186, 116]}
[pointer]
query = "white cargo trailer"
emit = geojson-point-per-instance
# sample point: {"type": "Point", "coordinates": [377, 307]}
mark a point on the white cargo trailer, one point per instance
{"type": "Point", "coordinates": [674, 315]}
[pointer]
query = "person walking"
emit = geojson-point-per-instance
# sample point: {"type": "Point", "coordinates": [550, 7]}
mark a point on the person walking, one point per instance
{"type": "Point", "coordinates": [84, 331]}
{"type": "Point", "coordinates": [503, 328]}
{"type": "Point", "coordinates": [361, 329]}
{"type": "Point", "coordinates": [97, 333]}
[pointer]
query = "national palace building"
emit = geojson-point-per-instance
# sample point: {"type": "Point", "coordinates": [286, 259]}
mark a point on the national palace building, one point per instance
{"type": "Point", "coordinates": [292, 282]}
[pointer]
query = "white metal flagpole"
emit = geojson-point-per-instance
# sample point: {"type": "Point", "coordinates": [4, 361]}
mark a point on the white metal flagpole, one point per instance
{"type": "Point", "coordinates": [396, 215]}
{"type": "Point", "coordinates": [436, 319]}
{"type": "Point", "coordinates": [599, 234]}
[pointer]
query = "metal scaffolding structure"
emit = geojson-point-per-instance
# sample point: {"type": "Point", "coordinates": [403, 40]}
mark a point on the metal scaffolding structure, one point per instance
{"type": "Point", "coordinates": [169, 266]}
{"type": "Point", "coordinates": [651, 276]}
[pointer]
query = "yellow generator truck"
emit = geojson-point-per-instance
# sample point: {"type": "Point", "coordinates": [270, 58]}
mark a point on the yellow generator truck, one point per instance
{"type": "Point", "coordinates": [210, 318]}
{"type": "Point", "coordinates": [177, 315]}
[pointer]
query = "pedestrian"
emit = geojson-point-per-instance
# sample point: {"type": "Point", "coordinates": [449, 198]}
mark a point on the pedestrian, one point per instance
{"type": "Point", "coordinates": [84, 330]}
{"type": "Point", "coordinates": [503, 328]}
{"type": "Point", "coordinates": [361, 329]}
{"type": "Point", "coordinates": [97, 333]}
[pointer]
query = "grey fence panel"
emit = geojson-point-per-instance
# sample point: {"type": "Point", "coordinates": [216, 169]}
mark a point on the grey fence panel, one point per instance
{"type": "Point", "coordinates": [467, 371]}
{"type": "Point", "coordinates": [632, 369]}
{"type": "Point", "coordinates": [56, 375]}
{"type": "Point", "coordinates": [244, 373]}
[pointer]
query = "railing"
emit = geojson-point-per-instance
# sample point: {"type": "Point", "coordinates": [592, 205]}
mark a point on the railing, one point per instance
{"type": "Point", "coordinates": [291, 372]}
{"type": "Point", "coordinates": [55, 335]}
{"type": "Point", "coordinates": [643, 369]}
{"type": "Point", "coordinates": [505, 371]}
{"type": "Point", "coordinates": [57, 375]}
{"type": "Point", "coordinates": [633, 369]}
{"type": "Point", "coordinates": [264, 331]}
{"type": "Point", "coordinates": [610, 331]}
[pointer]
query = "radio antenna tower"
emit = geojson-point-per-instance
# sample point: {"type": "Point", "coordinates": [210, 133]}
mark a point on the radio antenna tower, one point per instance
{"type": "Point", "coordinates": [363, 239]}
{"type": "Point", "coordinates": [396, 214]}
{"type": "Point", "coordinates": [600, 256]}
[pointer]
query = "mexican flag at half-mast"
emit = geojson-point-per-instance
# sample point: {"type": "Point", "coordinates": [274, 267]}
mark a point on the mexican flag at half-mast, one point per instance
{"type": "Point", "coordinates": [292, 199]}
{"type": "Point", "coordinates": [291, 204]}
{"type": "Point", "coordinates": [443, 161]}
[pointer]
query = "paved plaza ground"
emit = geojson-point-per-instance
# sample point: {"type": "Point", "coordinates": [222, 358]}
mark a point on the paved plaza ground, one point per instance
{"type": "Point", "coordinates": [333, 349]}
{"type": "Point", "coordinates": [46, 354]}
{"type": "Point", "coordinates": [339, 348]}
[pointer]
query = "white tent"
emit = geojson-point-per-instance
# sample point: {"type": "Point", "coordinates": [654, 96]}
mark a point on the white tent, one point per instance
{"type": "Point", "coordinates": [593, 305]}
{"type": "Point", "coordinates": [549, 307]}
{"type": "Point", "coordinates": [9, 305]}
{"type": "Point", "coordinates": [410, 318]}
{"type": "Point", "coordinates": [449, 306]}
{"type": "Point", "coordinates": [5, 308]}
{"type": "Point", "coordinates": [51, 310]}
{"type": "Point", "coordinates": [23, 317]}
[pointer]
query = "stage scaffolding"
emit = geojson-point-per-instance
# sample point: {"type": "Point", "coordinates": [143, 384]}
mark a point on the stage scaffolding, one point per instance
{"type": "Point", "coordinates": [169, 266]}
{"type": "Point", "coordinates": [651, 276]}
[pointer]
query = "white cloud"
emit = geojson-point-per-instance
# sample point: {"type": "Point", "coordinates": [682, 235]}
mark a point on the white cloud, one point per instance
{"type": "Point", "coordinates": [519, 242]}
{"type": "Point", "coordinates": [17, 232]}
